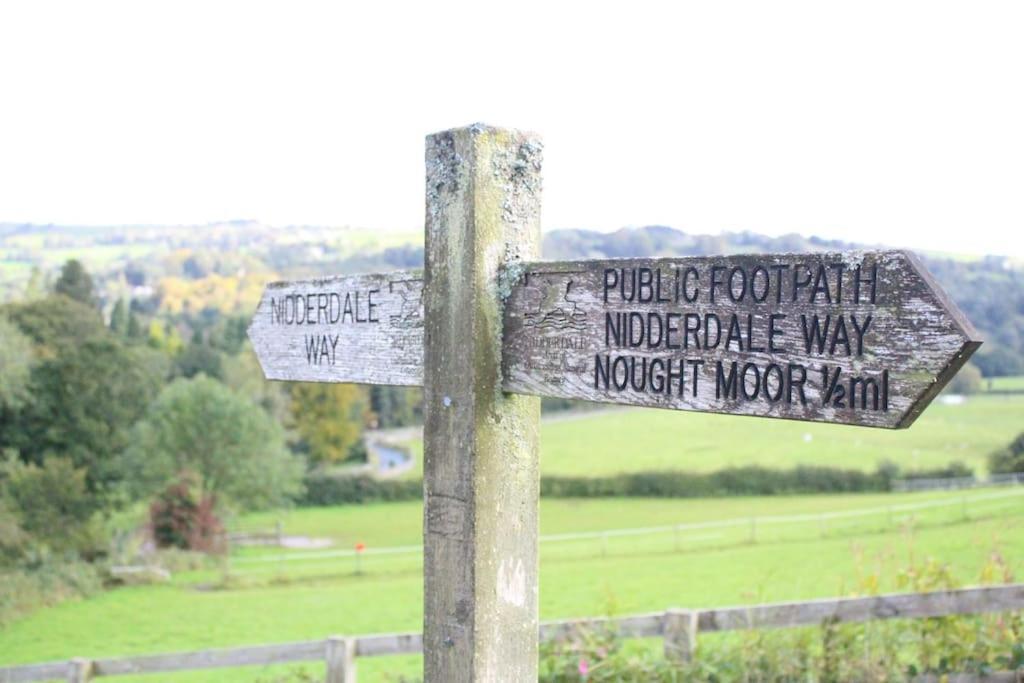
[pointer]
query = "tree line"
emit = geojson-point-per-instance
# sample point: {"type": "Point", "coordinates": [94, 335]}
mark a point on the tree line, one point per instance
{"type": "Point", "coordinates": [99, 415]}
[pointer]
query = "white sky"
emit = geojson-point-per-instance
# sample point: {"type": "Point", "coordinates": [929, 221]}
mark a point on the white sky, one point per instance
{"type": "Point", "coordinates": [900, 123]}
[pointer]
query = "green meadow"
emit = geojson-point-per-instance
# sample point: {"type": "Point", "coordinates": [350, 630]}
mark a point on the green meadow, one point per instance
{"type": "Point", "coordinates": [267, 599]}
{"type": "Point", "coordinates": [629, 440]}
{"type": "Point", "coordinates": [748, 549]}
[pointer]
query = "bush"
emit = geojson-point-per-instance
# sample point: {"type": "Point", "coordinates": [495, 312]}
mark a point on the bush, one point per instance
{"type": "Point", "coordinates": [1010, 460]}
{"type": "Point", "coordinates": [750, 480]}
{"type": "Point", "coordinates": [52, 507]}
{"type": "Point", "coordinates": [876, 651]}
{"type": "Point", "coordinates": [182, 517]}
{"type": "Point", "coordinates": [237, 450]}
{"type": "Point", "coordinates": [966, 382]}
{"type": "Point", "coordinates": [326, 489]}
{"type": "Point", "coordinates": [954, 470]}
{"type": "Point", "coordinates": [44, 581]}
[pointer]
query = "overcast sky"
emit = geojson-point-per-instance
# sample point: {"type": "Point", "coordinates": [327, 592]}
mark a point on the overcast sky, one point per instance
{"type": "Point", "coordinates": [899, 123]}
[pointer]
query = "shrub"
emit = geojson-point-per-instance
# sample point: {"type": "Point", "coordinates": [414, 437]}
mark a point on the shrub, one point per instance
{"type": "Point", "coordinates": [330, 489]}
{"type": "Point", "coordinates": [875, 651]}
{"type": "Point", "coordinates": [731, 481]}
{"type": "Point", "coordinates": [954, 470]}
{"type": "Point", "coordinates": [44, 581]}
{"type": "Point", "coordinates": [967, 381]}
{"type": "Point", "coordinates": [326, 489]}
{"type": "Point", "coordinates": [201, 426]}
{"type": "Point", "coordinates": [52, 507]}
{"type": "Point", "coordinates": [1008, 460]}
{"type": "Point", "coordinates": [182, 517]}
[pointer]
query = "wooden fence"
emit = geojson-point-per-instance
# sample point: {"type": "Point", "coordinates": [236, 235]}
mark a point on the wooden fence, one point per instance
{"type": "Point", "coordinates": [678, 628]}
{"type": "Point", "coordinates": [273, 536]}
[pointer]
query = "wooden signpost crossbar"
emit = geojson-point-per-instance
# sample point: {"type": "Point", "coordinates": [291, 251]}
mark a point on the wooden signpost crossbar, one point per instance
{"type": "Point", "coordinates": [860, 338]}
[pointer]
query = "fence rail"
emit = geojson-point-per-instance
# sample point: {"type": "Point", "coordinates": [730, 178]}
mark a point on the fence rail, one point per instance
{"type": "Point", "coordinates": [956, 483]}
{"type": "Point", "coordinates": [678, 627]}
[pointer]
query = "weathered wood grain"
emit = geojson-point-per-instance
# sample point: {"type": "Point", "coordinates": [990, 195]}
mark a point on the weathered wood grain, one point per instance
{"type": "Point", "coordinates": [981, 600]}
{"type": "Point", "coordinates": [366, 329]}
{"type": "Point", "coordinates": [341, 660]}
{"type": "Point", "coordinates": [632, 331]}
{"type": "Point", "coordinates": [646, 625]}
{"type": "Point", "coordinates": [680, 634]}
{"type": "Point", "coordinates": [258, 655]}
{"type": "Point", "coordinates": [79, 671]}
{"type": "Point", "coordinates": [481, 474]}
{"type": "Point", "coordinates": [26, 673]}
{"type": "Point", "coordinates": [389, 644]}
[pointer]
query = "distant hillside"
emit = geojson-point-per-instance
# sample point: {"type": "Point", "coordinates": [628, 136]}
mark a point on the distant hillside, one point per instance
{"type": "Point", "coordinates": [659, 240]}
{"type": "Point", "coordinates": [162, 267]}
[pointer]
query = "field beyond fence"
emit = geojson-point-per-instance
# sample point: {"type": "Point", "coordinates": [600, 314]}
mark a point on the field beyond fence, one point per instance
{"type": "Point", "coordinates": [678, 537]}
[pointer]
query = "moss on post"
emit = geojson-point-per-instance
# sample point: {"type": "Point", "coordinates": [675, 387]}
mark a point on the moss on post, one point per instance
{"type": "Point", "coordinates": [481, 473]}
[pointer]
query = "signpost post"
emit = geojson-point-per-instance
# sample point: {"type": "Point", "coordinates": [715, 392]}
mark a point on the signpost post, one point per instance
{"type": "Point", "coordinates": [860, 338]}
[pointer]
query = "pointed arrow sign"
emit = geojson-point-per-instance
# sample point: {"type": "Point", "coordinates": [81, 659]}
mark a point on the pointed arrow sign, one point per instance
{"type": "Point", "coordinates": [366, 329]}
{"type": "Point", "coordinates": [861, 338]}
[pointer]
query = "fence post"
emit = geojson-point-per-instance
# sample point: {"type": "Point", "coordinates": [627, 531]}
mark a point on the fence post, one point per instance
{"type": "Point", "coordinates": [680, 629]}
{"type": "Point", "coordinates": [341, 660]}
{"type": "Point", "coordinates": [481, 475]}
{"type": "Point", "coordinates": [79, 670]}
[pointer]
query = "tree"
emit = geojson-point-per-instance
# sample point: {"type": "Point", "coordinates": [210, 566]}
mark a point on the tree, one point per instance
{"type": "Point", "coordinates": [229, 333]}
{"type": "Point", "coordinates": [967, 381]}
{"type": "Point", "coordinates": [85, 389]}
{"type": "Point", "coordinates": [1009, 460]}
{"type": "Point", "coordinates": [165, 337]}
{"type": "Point", "coordinates": [134, 331]}
{"type": "Point", "coordinates": [199, 425]}
{"type": "Point", "coordinates": [56, 323]}
{"type": "Point", "coordinates": [199, 359]}
{"type": "Point", "coordinates": [76, 283]}
{"type": "Point", "coordinates": [16, 361]}
{"type": "Point", "coordinates": [998, 361]}
{"type": "Point", "coordinates": [119, 319]}
{"type": "Point", "coordinates": [84, 403]}
{"type": "Point", "coordinates": [328, 418]}
{"type": "Point", "coordinates": [245, 376]}
{"type": "Point", "coordinates": [37, 286]}
{"type": "Point", "coordinates": [396, 406]}
{"type": "Point", "coordinates": [52, 505]}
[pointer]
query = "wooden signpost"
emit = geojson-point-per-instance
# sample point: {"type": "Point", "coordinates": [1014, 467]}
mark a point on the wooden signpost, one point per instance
{"type": "Point", "coordinates": [366, 329]}
{"type": "Point", "coordinates": [860, 338]}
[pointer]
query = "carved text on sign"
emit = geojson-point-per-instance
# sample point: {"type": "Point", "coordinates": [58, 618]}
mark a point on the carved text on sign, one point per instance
{"type": "Point", "coordinates": [858, 337]}
{"type": "Point", "coordinates": [357, 328]}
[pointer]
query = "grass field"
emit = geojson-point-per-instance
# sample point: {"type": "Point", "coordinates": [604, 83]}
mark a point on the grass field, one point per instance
{"type": "Point", "coordinates": [309, 600]}
{"type": "Point", "coordinates": [632, 440]}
